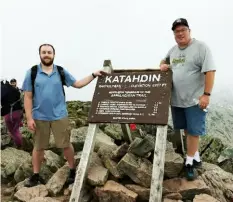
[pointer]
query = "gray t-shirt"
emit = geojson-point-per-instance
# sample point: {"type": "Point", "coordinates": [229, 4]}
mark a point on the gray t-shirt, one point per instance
{"type": "Point", "coordinates": [188, 66]}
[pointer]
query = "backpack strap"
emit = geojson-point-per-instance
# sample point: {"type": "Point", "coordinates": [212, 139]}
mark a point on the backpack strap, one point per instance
{"type": "Point", "coordinates": [11, 109]}
{"type": "Point", "coordinates": [34, 73]}
{"type": "Point", "coordinates": [33, 78]}
{"type": "Point", "coordinates": [62, 76]}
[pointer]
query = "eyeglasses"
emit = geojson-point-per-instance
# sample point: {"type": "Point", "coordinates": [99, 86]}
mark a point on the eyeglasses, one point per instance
{"type": "Point", "coordinates": [180, 31]}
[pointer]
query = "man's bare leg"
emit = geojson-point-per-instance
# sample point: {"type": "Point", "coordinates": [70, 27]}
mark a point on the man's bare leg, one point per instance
{"type": "Point", "coordinates": [69, 155]}
{"type": "Point", "coordinates": [37, 159]}
{"type": "Point", "coordinates": [192, 145]}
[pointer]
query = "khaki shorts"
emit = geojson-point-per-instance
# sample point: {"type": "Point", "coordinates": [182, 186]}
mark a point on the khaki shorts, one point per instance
{"type": "Point", "coordinates": [60, 129]}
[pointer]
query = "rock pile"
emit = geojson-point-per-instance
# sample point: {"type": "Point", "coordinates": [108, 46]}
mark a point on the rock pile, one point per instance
{"type": "Point", "coordinates": [119, 170]}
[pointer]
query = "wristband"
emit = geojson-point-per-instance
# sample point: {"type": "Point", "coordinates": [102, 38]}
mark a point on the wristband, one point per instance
{"type": "Point", "coordinates": [205, 93]}
{"type": "Point", "coordinates": [93, 75]}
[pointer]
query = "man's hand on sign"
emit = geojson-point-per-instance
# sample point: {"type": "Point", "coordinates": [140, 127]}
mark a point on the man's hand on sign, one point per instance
{"type": "Point", "coordinates": [164, 67]}
{"type": "Point", "coordinates": [204, 101]}
{"type": "Point", "coordinates": [101, 73]}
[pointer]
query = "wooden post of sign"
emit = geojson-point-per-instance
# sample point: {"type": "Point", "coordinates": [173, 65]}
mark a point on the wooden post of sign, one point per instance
{"type": "Point", "coordinates": [158, 165]}
{"type": "Point", "coordinates": [83, 166]}
{"type": "Point", "coordinates": [88, 148]}
{"type": "Point", "coordinates": [126, 132]}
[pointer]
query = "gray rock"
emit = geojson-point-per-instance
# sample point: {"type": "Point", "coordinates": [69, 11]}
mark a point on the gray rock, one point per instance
{"type": "Point", "coordinates": [20, 185]}
{"type": "Point", "coordinates": [8, 191]}
{"type": "Point", "coordinates": [138, 169]}
{"type": "Point", "coordinates": [114, 192]}
{"type": "Point", "coordinates": [52, 160]}
{"type": "Point", "coordinates": [111, 165]}
{"type": "Point", "coordinates": [78, 137]}
{"type": "Point", "coordinates": [25, 171]}
{"type": "Point", "coordinates": [174, 163]}
{"type": "Point", "coordinates": [188, 189]}
{"type": "Point", "coordinates": [225, 160]}
{"type": "Point", "coordinates": [11, 159]}
{"type": "Point", "coordinates": [26, 194]}
{"type": "Point", "coordinates": [57, 181]}
{"type": "Point", "coordinates": [120, 151]}
{"type": "Point", "coordinates": [103, 140]}
{"type": "Point", "coordinates": [219, 181]}
{"type": "Point", "coordinates": [97, 175]}
{"type": "Point", "coordinates": [211, 149]}
{"type": "Point", "coordinates": [173, 196]}
{"type": "Point", "coordinates": [143, 193]}
{"type": "Point", "coordinates": [114, 131]}
{"type": "Point", "coordinates": [5, 140]}
{"type": "Point", "coordinates": [3, 128]}
{"type": "Point", "coordinates": [43, 199]}
{"type": "Point", "coordinates": [171, 200]}
{"type": "Point", "coordinates": [204, 198]}
{"type": "Point", "coordinates": [141, 147]}
{"type": "Point", "coordinates": [107, 151]}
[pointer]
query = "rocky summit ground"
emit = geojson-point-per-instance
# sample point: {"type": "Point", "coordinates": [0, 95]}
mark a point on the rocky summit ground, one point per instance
{"type": "Point", "coordinates": [119, 171]}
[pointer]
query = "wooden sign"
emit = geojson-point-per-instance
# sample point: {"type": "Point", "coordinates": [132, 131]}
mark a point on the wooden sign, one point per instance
{"type": "Point", "coordinates": [132, 96]}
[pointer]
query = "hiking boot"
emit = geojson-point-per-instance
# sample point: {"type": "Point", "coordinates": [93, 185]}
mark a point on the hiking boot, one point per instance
{"type": "Point", "coordinates": [197, 164]}
{"type": "Point", "coordinates": [189, 172]}
{"type": "Point", "coordinates": [71, 178]}
{"type": "Point", "coordinates": [34, 180]}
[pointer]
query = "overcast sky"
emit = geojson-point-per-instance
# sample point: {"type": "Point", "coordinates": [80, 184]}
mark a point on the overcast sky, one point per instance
{"type": "Point", "coordinates": [132, 33]}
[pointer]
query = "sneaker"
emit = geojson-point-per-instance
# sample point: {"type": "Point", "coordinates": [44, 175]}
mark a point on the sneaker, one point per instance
{"type": "Point", "coordinates": [71, 178]}
{"type": "Point", "coordinates": [189, 172]}
{"type": "Point", "coordinates": [197, 164]}
{"type": "Point", "coordinates": [34, 180]}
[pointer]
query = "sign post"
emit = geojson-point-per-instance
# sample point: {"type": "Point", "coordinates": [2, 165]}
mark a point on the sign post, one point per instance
{"type": "Point", "coordinates": [129, 96]}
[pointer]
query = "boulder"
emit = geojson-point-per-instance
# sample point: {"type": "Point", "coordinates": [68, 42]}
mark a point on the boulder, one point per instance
{"type": "Point", "coordinates": [78, 137]}
{"type": "Point", "coordinates": [138, 169]}
{"type": "Point", "coordinates": [43, 199]}
{"type": "Point", "coordinates": [52, 160]}
{"type": "Point", "coordinates": [114, 131]}
{"type": "Point", "coordinates": [97, 175]}
{"type": "Point", "coordinates": [188, 189]}
{"type": "Point", "coordinates": [141, 147]}
{"type": "Point", "coordinates": [11, 159]}
{"type": "Point", "coordinates": [26, 194]}
{"type": "Point", "coordinates": [114, 192]}
{"type": "Point", "coordinates": [219, 181]}
{"type": "Point", "coordinates": [204, 198]}
{"type": "Point", "coordinates": [25, 170]}
{"type": "Point", "coordinates": [57, 181]}
{"type": "Point", "coordinates": [143, 193]}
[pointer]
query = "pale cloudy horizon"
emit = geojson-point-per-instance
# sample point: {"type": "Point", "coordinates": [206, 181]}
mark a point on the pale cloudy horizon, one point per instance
{"type": "Point", "coordinates": [132, 34]}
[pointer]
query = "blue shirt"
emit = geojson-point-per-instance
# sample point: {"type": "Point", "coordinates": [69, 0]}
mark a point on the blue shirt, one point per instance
{"type": "Point", "coordinates": [49, 101]}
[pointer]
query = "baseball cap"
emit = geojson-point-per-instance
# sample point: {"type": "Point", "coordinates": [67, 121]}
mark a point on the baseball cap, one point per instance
{"type": "Point", "coordinates": [12, 80]}
{"type": "Point", "coordinates": [179, 21]}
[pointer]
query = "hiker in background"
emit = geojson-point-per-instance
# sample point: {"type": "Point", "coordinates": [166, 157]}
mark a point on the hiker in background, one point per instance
{"type": "Point", "coordinates": [13, 83]}
{"type": "Point", "coordinates": [193, 70]}
{"type": "Point", "coordinates": [45, 107]}
{"type": "Point", "coordinates": [12, 111]}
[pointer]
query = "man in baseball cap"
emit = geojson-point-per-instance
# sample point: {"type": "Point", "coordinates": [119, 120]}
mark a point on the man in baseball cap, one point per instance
{"type": "Point", "coordinates": [193, 73]}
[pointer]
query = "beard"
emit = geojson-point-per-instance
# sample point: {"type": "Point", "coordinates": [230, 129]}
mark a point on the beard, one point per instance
{"type": "Point", "coordinates": [46, 62]}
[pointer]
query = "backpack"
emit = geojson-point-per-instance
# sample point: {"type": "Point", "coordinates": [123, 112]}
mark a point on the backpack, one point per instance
{"type": "Point", "coordinates": [34, 73]}
{"type": "Point", "coordinates": [6, 91]}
